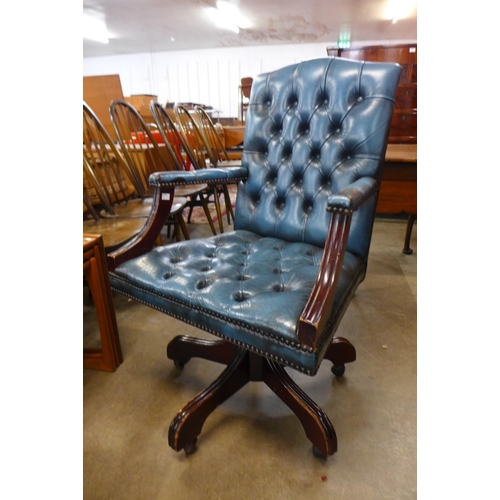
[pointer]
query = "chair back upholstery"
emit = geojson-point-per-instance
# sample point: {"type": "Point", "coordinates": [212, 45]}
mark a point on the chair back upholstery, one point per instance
{"type": "Point", "coordinates": [312, 129]}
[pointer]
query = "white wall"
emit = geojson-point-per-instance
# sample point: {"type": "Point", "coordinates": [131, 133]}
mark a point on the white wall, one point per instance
{"type": "Point", "coordinates": [210, 76]}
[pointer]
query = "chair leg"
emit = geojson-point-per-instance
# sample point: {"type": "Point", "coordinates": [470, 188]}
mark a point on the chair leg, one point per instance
{"type": "Point", "coordinates": [244, 366]}
{"type": "Point", "coordinates": [229, 206]}
{"type": "Point", "coordinates": [186, 426]}
{"type": "Point", "coordinates": [409, 227]}
{"type": "Point", "coordinates": [314, 420]}
{"type": "Point", "coordinates": [182, 225]}
{"type": "Point", "coordinates": [339, 352]}
{"type": "Point", "coordinates": [204, 204]}
{"type": "Point", "coordinates": [218, 209]}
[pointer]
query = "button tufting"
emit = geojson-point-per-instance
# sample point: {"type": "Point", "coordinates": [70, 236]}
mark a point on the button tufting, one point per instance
{"type": "Point", "coordinates": [241, 296]}
{"type": "Point", "coordinates": [202, 284]}
{"type": "Point", "coordinates": [168, 275]}
{"type": "Point", "coordinates": [360, 99]}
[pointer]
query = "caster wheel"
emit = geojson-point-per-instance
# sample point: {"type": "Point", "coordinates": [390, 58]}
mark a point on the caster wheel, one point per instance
{"type": "Point", "coordinates": [179, 364]}
{"type": "Point", "coordinates": [338, 370]}
{"type": "Point", "coordinates": [318, 453]}
{"type": "Point", "coordinates": [190, 448]}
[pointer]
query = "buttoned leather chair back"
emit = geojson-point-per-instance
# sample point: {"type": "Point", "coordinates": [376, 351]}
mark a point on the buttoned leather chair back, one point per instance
{"type": "Point", "coordinates": [311, 130]}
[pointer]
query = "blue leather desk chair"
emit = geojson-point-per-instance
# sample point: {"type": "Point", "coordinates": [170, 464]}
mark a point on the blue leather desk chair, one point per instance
{"type": "Point", "coordinates": [276, 288]}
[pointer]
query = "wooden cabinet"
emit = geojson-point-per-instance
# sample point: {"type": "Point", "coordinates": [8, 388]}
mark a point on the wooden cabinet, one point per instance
{"type": "Point", "coordinates": [404, 120]}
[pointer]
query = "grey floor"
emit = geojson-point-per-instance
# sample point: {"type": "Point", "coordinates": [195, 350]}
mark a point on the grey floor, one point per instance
{"type": "Point", "coordinates": [252, 446]}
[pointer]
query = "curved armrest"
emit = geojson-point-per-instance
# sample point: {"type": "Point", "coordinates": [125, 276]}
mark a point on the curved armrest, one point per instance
{"type": "Point", "coordinates": [205, 176]}
{"type": "Point", "coordinates": [317, 312]}
{"type": "Point", "coordinates": [353, 196]}
{"type": "Point", "coordinates": [164, 186]}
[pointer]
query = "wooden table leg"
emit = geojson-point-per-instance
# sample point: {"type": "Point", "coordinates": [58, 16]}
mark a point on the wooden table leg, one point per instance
{"type": "Point", "coordinates": [95, 269]}
{"type": "Point", "coordinates": [409, 226]}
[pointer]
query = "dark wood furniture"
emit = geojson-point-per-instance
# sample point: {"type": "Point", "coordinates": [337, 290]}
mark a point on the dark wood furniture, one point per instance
{"type": "Point", "coordinates": [398, 189]}
{"type": "Point", "coordinates": [244, 96]}
{"type": "Point", "coordinates": [404, 120]}
{"type": "Point", "coordinates": [95, 270]}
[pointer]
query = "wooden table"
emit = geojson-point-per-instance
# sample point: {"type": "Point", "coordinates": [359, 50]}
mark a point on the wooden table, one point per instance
{"type": "Point", "coordinates": [233, 135]}
{"type": "Point", "coordinates": [95, 270]}
{"type": "Point", "coordinates": [398, 189]}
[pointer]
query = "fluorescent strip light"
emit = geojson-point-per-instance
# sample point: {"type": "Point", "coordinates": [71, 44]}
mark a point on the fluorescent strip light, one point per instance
{"type": "Point", "coordinates": [94, 29]}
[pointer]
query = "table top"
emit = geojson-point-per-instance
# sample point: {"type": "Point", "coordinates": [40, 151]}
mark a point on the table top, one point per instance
{"type": "Point", "coordinates": [405, 153]}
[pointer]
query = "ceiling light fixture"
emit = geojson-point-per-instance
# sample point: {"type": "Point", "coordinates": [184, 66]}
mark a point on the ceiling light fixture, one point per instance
{"type": "Point", "coordinates": [399, 9]}
{"type": "Point", "coordinates": [227, 16]}
{"type": "Point", "coordinates": [94, 29]}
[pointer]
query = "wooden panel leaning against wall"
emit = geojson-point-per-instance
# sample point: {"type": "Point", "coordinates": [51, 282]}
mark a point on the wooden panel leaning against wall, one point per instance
{"type": "Point", "coordinates": [98, 93]}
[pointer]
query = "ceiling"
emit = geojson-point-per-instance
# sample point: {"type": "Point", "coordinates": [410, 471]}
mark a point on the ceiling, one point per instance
{"type": "Point", "coordinates": [137, 26]}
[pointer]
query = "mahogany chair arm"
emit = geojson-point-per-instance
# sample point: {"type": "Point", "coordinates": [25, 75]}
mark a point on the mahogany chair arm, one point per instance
{"type": "Point", "coordinates": [352, 196]}
{"type": "Point", "coordinates": [317, 312]}
{"type": "Point", "coordinates": [164, 186]}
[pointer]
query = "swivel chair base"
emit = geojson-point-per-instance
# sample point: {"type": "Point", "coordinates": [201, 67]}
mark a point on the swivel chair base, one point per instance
{"type": "Point", "coordinates": [244, 366]}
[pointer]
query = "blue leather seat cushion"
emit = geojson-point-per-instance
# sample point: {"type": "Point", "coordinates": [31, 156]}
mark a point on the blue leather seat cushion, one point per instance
{"type": "Point", "coordinates": [240, 286]}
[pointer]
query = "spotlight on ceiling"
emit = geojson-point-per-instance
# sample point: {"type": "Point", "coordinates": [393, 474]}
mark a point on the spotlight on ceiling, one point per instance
{"type": "Point", "coordinates": [227, 16]}
{"type": "Point", "coordinates": [399, 9]}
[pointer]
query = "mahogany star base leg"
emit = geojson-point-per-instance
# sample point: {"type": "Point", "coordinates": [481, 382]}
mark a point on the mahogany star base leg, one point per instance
{"type": "Point", "coordinates": [244, 366]}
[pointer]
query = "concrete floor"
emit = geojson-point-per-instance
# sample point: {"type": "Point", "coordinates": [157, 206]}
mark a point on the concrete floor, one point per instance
{"type": "Point", "coordinates": [252, 446]}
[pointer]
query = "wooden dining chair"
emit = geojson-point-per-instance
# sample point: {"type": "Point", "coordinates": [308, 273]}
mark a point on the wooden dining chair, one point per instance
{"type": "Point", "coordinates": [143, 153]}
{"type": "Point", "coordinates": [219, 156]}
{"type": "Point", "coordinates": [201, 149]}
{"type": "Point", "coordinates": [191, 156]}
{"type": "Point", "coordinates": [112, 189]}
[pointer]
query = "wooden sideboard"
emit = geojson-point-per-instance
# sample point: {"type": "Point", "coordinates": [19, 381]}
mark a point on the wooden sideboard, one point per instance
{"type": "Point", "coordinates": [398, 187]}
{"type": "Point", "coordinates": [404, 120]}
